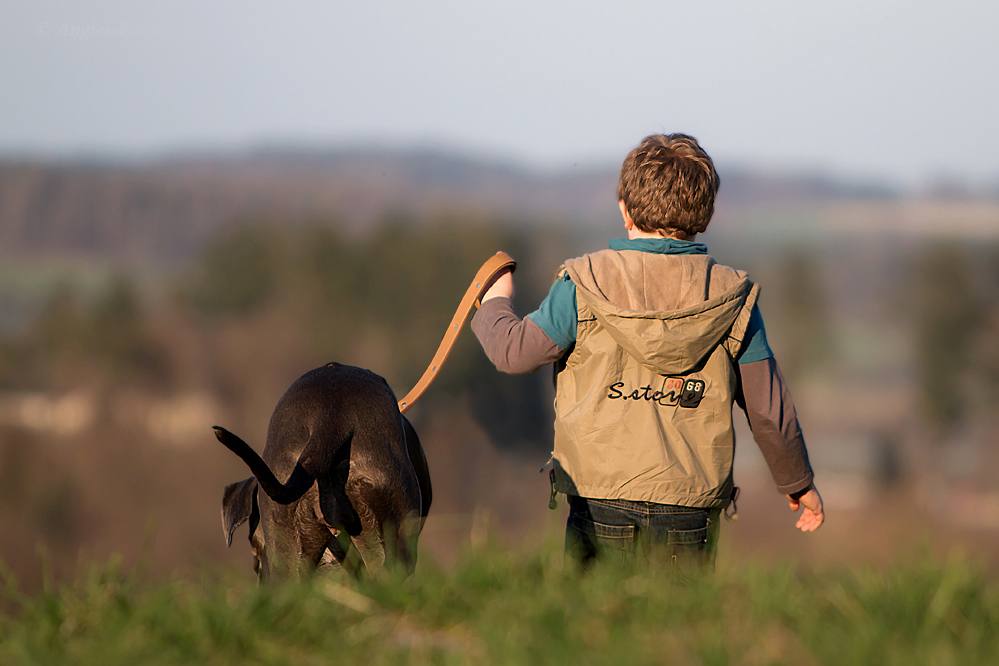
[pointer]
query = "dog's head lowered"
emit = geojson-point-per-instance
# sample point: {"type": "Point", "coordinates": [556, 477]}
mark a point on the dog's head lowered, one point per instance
{"type": "Point", "coordinates": [239, 504]}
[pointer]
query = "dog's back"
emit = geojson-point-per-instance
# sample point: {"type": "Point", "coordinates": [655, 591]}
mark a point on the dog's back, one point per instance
{"type": "Point", "coordinates": [343, 425]}
{"type": "Point", "coordinates": [355, 474]}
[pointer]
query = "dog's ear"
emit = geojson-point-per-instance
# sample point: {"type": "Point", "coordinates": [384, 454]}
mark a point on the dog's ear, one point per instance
{"type": "Point", "coordinates": [239, 503]}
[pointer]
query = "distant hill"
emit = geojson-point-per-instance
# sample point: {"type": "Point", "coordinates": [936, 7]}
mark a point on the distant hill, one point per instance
{"type": "Point", "coordinates": [162, 210]}
{"type": "Point", "coordinates": [165, 209]}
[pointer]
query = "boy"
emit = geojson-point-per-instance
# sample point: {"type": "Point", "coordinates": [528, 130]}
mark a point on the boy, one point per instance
{"type": "Point", "coordinates": [653, 343]}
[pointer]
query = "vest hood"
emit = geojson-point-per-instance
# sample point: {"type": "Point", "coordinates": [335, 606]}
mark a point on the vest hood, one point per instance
{"type": "Point", "coordinates": [651, 319]}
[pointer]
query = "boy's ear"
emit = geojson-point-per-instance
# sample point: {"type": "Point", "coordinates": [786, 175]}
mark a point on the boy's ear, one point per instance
{"type": "Point", "coordinates": [628, 223]}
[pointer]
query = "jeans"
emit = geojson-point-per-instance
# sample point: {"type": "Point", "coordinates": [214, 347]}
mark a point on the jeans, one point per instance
{"type": "Point", "coordinates": [680, 537]}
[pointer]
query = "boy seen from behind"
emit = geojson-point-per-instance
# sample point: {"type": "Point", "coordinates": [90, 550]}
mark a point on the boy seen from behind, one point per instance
{"type": "Point", "coordinates": [653, 343]}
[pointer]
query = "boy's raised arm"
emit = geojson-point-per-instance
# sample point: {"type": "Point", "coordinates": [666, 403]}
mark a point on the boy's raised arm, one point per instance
{"type": "Point", "coordinates": [514, 345]}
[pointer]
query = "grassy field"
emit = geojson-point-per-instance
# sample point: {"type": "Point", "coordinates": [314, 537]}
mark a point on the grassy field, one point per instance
{"type": "Point", "coordinates": [497, 607]}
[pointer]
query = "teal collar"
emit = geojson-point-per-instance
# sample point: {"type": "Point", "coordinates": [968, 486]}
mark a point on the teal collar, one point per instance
{"type": "Point", "coordinates": [659, 245]}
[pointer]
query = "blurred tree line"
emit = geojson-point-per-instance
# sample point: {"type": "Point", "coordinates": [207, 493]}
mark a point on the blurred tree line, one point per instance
{"type": "Point", "coordinates": [804, 315]}
{"type": "Point", "coordinates": [942, 294]}
{"type": "Point", "coordinates": [955, 309]}
{"type": "Point", "coordinates": [76, 339]}
{"type": "Point", "coordinates": [382, 302]}
{"type": "Point", "coordinates": [266, 300]}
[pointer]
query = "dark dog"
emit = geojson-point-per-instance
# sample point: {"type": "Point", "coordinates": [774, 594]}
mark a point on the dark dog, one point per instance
{"type": "Point", "coordinates": [357, 487]}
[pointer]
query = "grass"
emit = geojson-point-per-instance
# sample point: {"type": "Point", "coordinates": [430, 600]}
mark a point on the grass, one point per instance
{"type": "Point", "coordinates": [497, 607]}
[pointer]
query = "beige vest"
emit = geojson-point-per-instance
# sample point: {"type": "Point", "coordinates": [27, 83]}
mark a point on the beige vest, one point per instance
{"type": "Point", "coordinates": [644, 403]}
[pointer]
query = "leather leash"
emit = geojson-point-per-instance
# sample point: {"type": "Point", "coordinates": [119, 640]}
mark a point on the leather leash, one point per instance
{"type": "Point", "coordinates": [493, 266]}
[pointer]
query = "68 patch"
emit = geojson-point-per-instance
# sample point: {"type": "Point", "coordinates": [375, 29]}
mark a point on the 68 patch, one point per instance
{"type": "Point", "coordinates": [693, 391]}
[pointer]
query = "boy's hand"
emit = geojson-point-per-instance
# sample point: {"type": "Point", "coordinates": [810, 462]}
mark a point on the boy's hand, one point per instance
{"type": "Point", "coordinates": [812, 517]}
{"type": "Point", "coordinates": [502, 286]}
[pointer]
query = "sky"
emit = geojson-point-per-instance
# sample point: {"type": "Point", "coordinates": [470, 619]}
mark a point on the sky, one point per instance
{"type": "Point", "coordinates": [899, 91]}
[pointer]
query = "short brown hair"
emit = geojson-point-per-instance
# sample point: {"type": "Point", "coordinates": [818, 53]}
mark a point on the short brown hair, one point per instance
{"type": "Point", "coordinates": [668, 184]}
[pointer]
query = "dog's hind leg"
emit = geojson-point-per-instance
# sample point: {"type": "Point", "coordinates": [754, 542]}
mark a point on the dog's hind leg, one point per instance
{"type": "Point", "coordinates": [407, 535]}
{"type": "Point", "coordinates": [371, 546]}
{"type": "Point", "coordinates": [338, 512]}
{"type": "Point", "coordinates": [341, 552]}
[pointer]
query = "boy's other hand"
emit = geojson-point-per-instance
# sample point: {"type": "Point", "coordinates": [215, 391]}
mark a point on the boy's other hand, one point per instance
{"type": "Point", "coordinates": [812, 517]}
{"type": "Point", "coordinates": [501, 287]}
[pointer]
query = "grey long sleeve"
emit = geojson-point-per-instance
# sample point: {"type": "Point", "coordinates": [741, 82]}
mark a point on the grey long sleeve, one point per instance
{"type": "Point", "coordinates": [514, 345]}
{"type": "Point", "coordinates": [768, 406]}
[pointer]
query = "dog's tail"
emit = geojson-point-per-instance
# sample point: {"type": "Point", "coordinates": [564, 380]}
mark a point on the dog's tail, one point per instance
{"type": "Point", "coordinates": [282, 493]}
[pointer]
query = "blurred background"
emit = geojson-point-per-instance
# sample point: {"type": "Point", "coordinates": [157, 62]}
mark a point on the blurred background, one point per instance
{"type": "Point", "coordinates": [200, 203]}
